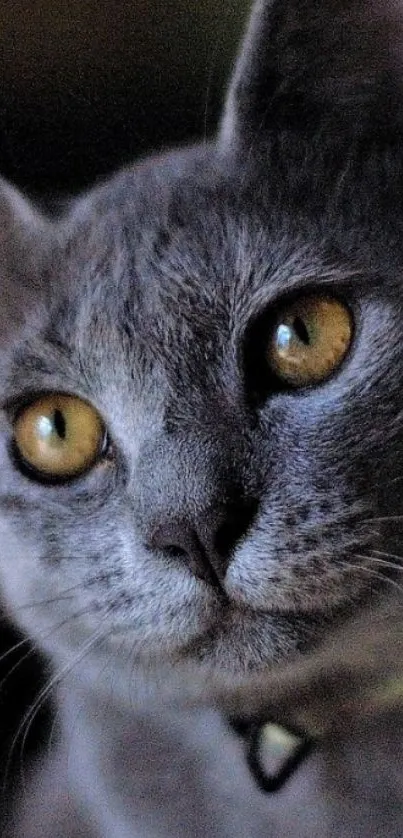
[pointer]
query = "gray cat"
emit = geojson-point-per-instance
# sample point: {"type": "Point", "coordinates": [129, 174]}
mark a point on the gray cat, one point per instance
{"type": "Point", "coordinates": [201, 455]}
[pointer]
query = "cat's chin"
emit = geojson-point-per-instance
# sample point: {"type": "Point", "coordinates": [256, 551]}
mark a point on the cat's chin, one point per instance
{"type": "Point", "coordinates": [243, 638]}
{"type": "Point", "coordinates": [238, 645]}
{"type": "Point", "coordinates": [248, 641]}
{"type": "Point", "coordinates": [228, 638]}
{"type": "Point", "coordinates": [238, 642]}
{"type": "Point", "coordinates": [235, 650]}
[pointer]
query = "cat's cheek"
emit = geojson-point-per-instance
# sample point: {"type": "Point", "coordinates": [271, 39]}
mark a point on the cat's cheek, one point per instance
{"type": "Point", "coordinates": [33, 597]}
{"type": "Point", "coordinates": [311, 583]}
{"type": "Point", "coordinates": [20, 576]}
{"type": "Point", "coordinates": [263, 589]}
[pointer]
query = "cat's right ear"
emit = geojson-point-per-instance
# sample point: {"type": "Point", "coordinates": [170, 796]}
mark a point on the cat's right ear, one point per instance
{"type": "Point", "coordinates": [318, 83]}
{"type": "Point", "coordinates": [24, 243]}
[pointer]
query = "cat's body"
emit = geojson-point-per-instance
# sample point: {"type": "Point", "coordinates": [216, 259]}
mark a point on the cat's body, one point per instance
{"type": "Point", "coordinates": [233, 511]}
{"type": "Point", "coordinates": [167, 761]}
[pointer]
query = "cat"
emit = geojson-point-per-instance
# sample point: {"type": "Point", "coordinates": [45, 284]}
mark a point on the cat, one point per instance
{"type": "Point", "coordinates": [201, 385]}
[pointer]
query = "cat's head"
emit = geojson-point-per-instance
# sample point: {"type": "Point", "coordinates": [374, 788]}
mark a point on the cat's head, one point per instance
{"type": "Point", "coordinates": [202, 367]}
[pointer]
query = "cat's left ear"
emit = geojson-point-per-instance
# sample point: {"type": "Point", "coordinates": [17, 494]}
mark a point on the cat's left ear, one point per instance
{"type": "Point", "coordinates": [317, 76]}
{"type": "Point", "coordinates": [24, 242]}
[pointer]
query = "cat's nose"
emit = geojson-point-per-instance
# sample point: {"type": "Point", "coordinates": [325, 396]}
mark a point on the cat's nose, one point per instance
{"type": "Point", "coordinates": [208, 546]}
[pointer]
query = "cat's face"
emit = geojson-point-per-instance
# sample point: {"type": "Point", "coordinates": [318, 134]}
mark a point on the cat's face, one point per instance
{"type": "Point", "coordinates": [229, 507]}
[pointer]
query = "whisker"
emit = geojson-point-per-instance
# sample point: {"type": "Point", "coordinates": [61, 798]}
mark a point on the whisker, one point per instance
{"type": "Point", "coordinates": [101, 675]}
{"type": "Point", "coordinates": [390, 556]}
{"type": "Point", "coordinates": [110, 659]}
{"type": "Point", "coordinates": [14, 668]}
{"type": "Point", "coordinates": [40, 602]}
{"type": "Point", "coordinates": [391, 482]}
{"type": "Point", "coordinates": [363, 567]}
{"type": "Point", "coordinates": [29, 716]}
{"type": "Point", "coordinates": [14, 648]}
{"type": "Point", "coordinates": [35, 647]}
{"type": "Point", "coordinates": [372, 572]}
{"type": "Point", "coordinates": [61, 597]}
{"type": "Point", "coordinates": [55, 719]}
{"type": "Point", "coordinates": [65, 595]}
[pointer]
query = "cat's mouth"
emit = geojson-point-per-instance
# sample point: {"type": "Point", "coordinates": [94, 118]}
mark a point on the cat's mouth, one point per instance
{"type": "Point", "coordinates": [205, 565]}
{"type": "Point", "coordinates": [212, 578]}
{"type": "Point", "coordinates": [242, 641]}
{"type": "Point", "coordinates": [204, 569]}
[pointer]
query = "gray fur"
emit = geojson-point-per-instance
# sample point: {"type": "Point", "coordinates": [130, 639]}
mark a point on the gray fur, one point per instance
{"type": "Point", "coordinates": [148, 294]}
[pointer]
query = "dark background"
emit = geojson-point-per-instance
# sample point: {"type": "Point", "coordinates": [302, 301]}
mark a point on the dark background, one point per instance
{"type": "Point", "coordinates": [88, 85]}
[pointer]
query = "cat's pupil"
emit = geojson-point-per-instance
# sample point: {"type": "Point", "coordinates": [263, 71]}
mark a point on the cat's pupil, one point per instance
{"type": "Point", "coordinates": [301, 331]}
{"type": "Point", "coordinates": [59, 424]}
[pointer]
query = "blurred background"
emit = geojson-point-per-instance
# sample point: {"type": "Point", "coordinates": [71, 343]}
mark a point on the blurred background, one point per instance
{"type": "Point", "coordinates": [88, 85]}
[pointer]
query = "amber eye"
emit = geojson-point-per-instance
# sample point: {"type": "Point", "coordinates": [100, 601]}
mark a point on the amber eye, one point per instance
{"type": "Point", "coordinates": [309, 340]}
{"type": "Point", "coordinates": [59, 436]}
